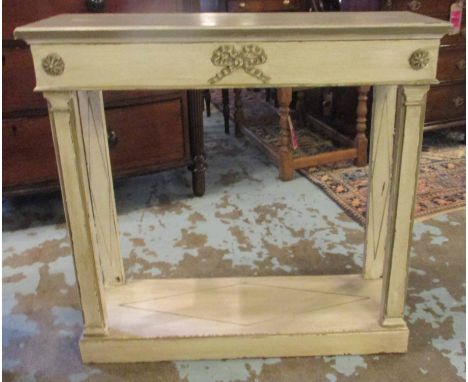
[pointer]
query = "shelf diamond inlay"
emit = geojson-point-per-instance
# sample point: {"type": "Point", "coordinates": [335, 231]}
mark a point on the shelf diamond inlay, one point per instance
{"type": "Point", "coordinates": [245, 303]}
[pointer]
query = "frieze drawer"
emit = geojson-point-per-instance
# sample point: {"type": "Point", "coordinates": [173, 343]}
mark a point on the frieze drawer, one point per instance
{"type": "Point", "coordinates": [416, 61]}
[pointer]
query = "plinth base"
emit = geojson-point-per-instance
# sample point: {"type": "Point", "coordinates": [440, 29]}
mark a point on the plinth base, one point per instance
{"type": "Point", "coordinates": [279, 316]}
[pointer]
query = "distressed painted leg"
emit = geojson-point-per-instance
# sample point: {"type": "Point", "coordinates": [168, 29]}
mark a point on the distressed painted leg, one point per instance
{"type": "Point", "coordinates": [411, 102]}
{"type": "Point", "coordinates": [226, 111]}
{"type": "Point", "coordinates": [286, 170]}
{"type": "Point", "coordinates": [380, 166]}
{"type": "Point", "coordinates": [360, 140]}
{"type": "Point", "coordinates": [238, 113]}
{"type": "Point", "coordinates": [72, 135]}
{"type": "Point", "coordinates": [198, 166]}
{"type": "Point", "coordinates": [93, 124]}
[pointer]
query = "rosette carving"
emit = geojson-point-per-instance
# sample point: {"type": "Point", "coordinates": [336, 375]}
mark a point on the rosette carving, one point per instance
{"type": "Point", "coordinates": [419, 59]}
{"type": "Point", "coordinates": [53, 64]}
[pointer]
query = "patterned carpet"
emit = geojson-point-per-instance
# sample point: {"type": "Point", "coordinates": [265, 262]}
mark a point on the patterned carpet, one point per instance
{"type": "Point", "coordinates": [442, 173]}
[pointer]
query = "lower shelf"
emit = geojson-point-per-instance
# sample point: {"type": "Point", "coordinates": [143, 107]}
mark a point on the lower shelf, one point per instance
{"type": "Point", "coordinates": [279, 316]}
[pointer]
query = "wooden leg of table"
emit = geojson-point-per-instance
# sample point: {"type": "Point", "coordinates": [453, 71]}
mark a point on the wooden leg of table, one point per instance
{"type": "Point", "coordinates": [268, 95]}
{"type": "Point", "coordinates": [411, 102]}
{"type": "Point", "coordinates": [238, 113]}
{"type": "Point", "coordinates": [207, 99]}
{"type": "Point", "coordinates": [380, 165]}
{"type": "Point", "coordinates": [300, 107]}
{"type": "Point", "coordinates": [226, 111]}
{"type": "Point", "coordinates": [78, 130]}
{"type": "Point", "coordinates": [286, 170]}
{"type": "Point", "coordinates": [197, 145]}
{"type": "Point", "coordinates": [360, 140]}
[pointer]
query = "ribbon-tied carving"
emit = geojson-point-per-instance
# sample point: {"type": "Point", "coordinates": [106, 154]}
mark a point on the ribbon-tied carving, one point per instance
{"type": "Point", "coordinates": [232, 59]}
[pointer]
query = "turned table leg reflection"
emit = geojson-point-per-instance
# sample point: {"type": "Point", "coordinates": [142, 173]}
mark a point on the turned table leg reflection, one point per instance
{"type": "Point", "coordinates": [198, 165]}
{"type": "Point", "coordinates": [360, 141]}
{"type": "Point", "coordinates": [226, 109]}
{"type": "Point", "coordinates": [238, 113]}
{"type": "Point", "coordinates": [286, 169]}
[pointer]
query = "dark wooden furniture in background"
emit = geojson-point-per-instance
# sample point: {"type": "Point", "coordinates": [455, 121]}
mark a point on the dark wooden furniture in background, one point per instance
{"type": "Point", "coordinates": [356, 147]}
{"type": "Point", "coordinates": [333, 109]}
{"type": "Point", "coordinates": [445, 101]}
{"type": "Point", "coordinates": [148, 131]}
{"type": "Point", "coordinates": [250, 6]}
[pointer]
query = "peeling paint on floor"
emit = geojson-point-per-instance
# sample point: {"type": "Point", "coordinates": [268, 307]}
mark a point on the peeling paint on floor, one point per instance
{"type": "Point", "coordinates": [248, 223]}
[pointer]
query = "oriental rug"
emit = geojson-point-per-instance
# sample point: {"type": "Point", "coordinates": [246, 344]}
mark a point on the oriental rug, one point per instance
{"type": "Point", "coordinates": [442, 178]}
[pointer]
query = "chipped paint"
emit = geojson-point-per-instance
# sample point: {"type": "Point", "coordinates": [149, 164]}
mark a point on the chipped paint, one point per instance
{"type": "Point", "coordinates": [438, 307]}
{"type": "Point", "coordinates": [228, 371]}
{"type": "Point", "coordinates": [347, 365]}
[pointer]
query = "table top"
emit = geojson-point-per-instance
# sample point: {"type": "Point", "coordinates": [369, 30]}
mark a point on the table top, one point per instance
{"type": "Point", "coordinates": [199, 27]}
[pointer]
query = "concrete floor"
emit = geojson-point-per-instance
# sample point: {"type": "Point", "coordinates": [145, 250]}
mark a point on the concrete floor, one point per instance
{"type": "Point", "coordinates": [248, 223]}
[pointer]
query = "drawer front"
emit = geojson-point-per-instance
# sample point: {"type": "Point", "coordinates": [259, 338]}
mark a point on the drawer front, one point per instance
{"type": "Point", "coordinates": [17, 13]}
{"type": "Point", "coordinates": [19, 82]}
{"type": "Point", "coordinates": [446, 103]}
{"type": "Point", "coordinates": [266, 5]}
{"type": "Point", "coordinates": [455, 39]}
{"type": "Point", "coordinates": [148, 135]}
{"type": "Point", "coordinates": [28, 152]}
{"type": "Point", "coordinates": [126, 98]}
{"type": "Point", "coordinates": [425, 7]}
{"type": "Point", "coordinates": [452, 63]}
{"type": "Point", "coordinates": [439, 9]}
{"type": "Point", "coordinates": [143, 138]}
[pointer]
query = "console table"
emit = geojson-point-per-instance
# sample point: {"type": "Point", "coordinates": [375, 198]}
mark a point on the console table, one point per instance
{"type": "Point", "coordinates": [78, 56]}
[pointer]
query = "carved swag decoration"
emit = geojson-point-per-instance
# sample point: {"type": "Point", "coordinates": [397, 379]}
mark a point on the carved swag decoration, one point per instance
{"type": "Point", "coordinates": [232, 59]}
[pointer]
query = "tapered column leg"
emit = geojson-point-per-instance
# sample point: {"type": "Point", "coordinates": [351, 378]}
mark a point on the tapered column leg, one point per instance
{"type": "Point", "coordinates": [93, 124]}
{"type": "Point", "coordinates": [360, 141]}
{"type": "Point", "coordinates": [238, 113]}
{"type": "Point", "coordinates": [286, 170]}
{"type": "Point", "coordinates": [79, 135]}
{"type": "Point", "coordinates": [380, 169]}
{"type": "Point", "coordinates": [411, 102]}
{"type": "Point", "coordinates": [197, 145]}
{"type": "Point", "coordinates": [226, 109]}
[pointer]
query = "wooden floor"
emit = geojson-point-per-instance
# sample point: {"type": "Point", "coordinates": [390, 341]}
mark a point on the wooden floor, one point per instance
{"type": "Point", "coordinates": [169, 319]}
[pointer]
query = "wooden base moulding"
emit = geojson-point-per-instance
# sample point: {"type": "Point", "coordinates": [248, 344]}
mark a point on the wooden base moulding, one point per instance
{"type": "Point", "coordinates": [279, 316]}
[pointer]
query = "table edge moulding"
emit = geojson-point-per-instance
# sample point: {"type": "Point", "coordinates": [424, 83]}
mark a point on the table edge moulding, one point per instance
{"type": "Point", "coordinates": [76, 57]}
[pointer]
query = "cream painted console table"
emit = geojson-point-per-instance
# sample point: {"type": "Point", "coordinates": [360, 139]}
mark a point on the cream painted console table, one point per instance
{"type": "Point", "coordinates": [78, 56]}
